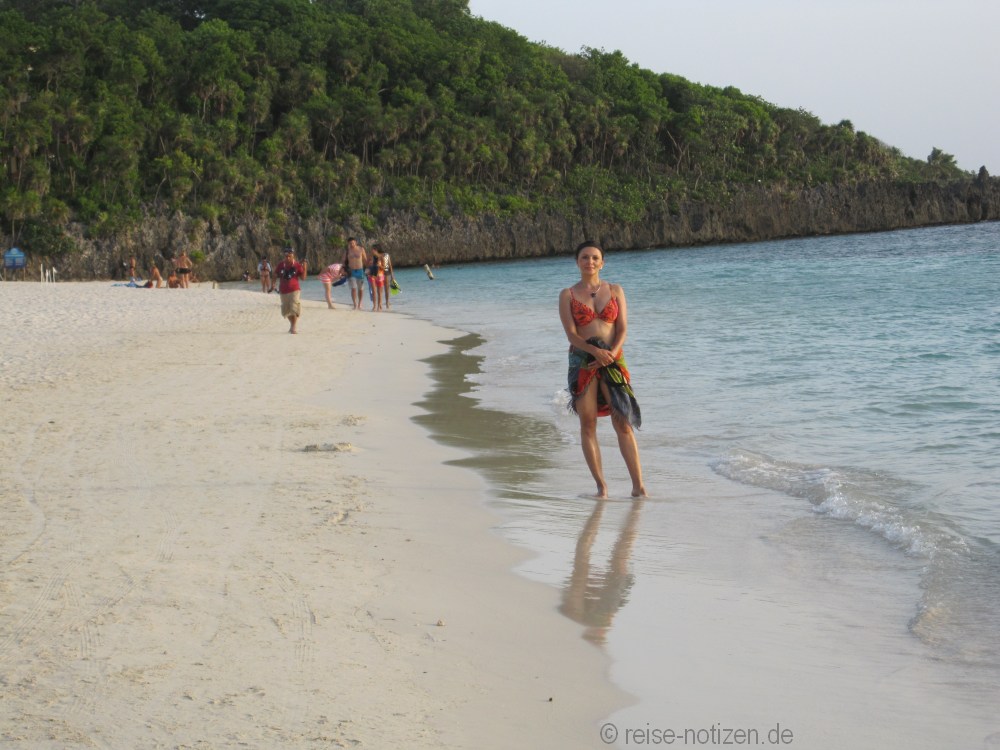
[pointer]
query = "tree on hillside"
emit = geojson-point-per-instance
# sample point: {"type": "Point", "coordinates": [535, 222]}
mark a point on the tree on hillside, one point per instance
{"type": "Point", "coordinates": [280, 108]}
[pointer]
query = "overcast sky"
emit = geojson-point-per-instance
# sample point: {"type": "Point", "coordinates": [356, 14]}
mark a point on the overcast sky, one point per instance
{"type": "Point", "coordinates": [916, 74]}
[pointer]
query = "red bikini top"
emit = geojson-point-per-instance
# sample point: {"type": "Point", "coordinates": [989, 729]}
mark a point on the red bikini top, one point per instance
{"type": "Point", "coordinates": [584, 315]}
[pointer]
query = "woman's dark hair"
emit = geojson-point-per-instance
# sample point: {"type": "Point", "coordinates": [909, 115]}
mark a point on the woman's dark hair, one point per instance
{"type": "Point", "coordinates": [588, 243]}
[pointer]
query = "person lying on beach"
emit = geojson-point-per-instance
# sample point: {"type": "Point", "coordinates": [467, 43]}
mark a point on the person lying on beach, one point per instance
{"type": "Point", "coordinates": [594, 316]}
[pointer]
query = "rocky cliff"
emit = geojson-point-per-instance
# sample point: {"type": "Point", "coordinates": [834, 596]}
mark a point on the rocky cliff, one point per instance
{"type": "Point", "coordinates": [747, 214]}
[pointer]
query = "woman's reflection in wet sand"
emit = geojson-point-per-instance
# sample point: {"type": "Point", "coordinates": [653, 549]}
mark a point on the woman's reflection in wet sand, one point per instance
{"type": "Point", "coordinates": [593, 600]}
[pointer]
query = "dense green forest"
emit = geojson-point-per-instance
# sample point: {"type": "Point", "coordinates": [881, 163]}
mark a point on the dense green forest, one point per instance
{"type": "Point", "coordinates": [230, 109]}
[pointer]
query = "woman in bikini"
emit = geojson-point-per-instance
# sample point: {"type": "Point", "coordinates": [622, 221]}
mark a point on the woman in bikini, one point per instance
{"type": "Point", "coordinates": [388, 272]}
{"type": "Point", "coordinates": [376, 278]}
{"type": "Point", "coordinates": [595, 317]}
{"type": "Point", "coordinates": [264, 269]}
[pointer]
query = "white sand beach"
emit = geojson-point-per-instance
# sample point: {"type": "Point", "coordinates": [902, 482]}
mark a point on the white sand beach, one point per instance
{"type": "Point", "coordinates": [214, 534]}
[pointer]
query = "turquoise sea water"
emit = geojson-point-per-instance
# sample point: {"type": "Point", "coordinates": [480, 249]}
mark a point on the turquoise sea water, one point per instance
{"type": "Point", "coordinates": [846, 389]}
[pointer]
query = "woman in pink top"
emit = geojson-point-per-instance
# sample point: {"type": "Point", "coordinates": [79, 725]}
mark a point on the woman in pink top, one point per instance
{"type": "Point", "coordinates": [332, 273]}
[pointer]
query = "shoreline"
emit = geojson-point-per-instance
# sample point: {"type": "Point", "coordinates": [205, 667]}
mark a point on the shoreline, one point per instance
{"type": "Point", "coordinates": [216, 532]}
{"type": "Point", "coordinates": [729, 630]}
{"type": "Point", "coordinates": [721, 603]}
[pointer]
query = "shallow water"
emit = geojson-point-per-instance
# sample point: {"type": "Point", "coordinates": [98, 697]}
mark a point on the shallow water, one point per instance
{"type": "Point", "coordinates": [821, 426]}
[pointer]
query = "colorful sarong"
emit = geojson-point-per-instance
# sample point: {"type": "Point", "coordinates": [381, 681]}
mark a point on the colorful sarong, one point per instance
{"type": "Point", "coordinates": [615, 376]}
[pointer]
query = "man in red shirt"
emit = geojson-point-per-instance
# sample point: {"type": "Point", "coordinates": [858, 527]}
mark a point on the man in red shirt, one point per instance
{"type": "Point", "coordinates": [289, 272]}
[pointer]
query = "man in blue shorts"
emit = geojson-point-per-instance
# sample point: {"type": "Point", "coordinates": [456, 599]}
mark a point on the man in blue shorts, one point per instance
{"type": "Point", "coordinates": [355, 261]}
